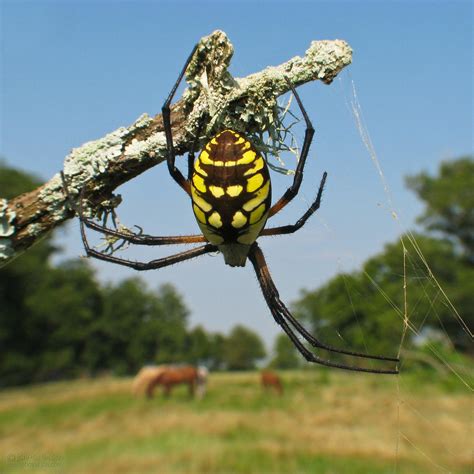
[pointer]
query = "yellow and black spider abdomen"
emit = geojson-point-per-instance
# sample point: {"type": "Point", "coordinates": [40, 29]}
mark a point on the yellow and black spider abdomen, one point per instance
{"type": "Point", "coordinates": [230, 190]}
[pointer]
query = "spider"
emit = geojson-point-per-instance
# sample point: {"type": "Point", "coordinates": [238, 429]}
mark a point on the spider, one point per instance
{"type": "Point", "coordinates": [230, 190]}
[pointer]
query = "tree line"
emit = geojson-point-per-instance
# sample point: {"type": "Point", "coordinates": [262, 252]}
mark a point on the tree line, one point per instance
{"type": "Point", "coordinates": [424, 279]}
{"type": "Point", "coordinates": [58, 320]}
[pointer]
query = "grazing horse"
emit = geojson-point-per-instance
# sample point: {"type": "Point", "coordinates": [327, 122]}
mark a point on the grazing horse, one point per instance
{"type": "Point", "coordinates": [194, 377]}
{"type": "Point", "coordinates": [270, 380]}
{"type": "Point", "coordinates": [144, 377]}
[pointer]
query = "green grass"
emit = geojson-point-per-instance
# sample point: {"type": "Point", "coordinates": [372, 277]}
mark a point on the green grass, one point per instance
{"type": "Point", "coordinates": [326, 422]}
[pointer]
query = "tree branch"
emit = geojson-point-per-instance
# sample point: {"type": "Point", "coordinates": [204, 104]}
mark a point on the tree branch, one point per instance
{"type": "Point", "coordinates": [213, 100]}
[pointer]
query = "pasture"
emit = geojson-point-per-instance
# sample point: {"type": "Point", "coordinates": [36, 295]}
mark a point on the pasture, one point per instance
{"type": "Point", "coordinates": [325, 422]}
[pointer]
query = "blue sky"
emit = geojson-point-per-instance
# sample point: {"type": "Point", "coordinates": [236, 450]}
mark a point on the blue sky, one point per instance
{"type": "Point", "coordinates": [73, 71]}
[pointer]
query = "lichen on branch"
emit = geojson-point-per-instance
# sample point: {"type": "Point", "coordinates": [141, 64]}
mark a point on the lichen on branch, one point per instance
{"type": "Point", "coordinates": [212, 101]}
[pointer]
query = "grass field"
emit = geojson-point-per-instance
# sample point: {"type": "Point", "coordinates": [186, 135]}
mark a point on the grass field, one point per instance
{"type": "Point", "coordinates": [326, 422]}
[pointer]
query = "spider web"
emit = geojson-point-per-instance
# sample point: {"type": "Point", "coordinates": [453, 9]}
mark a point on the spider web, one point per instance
{"type": "Point", "coordinates": [427, 423]}
{"type": "Point", "coordinates": [430, 427]}
{"type": "Point", "coordinates": [433, 426]}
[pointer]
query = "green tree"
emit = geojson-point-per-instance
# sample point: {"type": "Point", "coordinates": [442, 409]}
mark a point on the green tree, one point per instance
{"type": "Point", "coordinates": [18, 280]}
{"type": "Point", "coordinates": [365, 309]}
{"type": "Point", "coordinates": [14, 182]}
{"type": "Point", "coordinates": [23, 274]}
{"type": "Point", "coordinates": [58, 321]}
{"type": "Point", "coordinates": [198, 346]}
{"type": "Point", "coordinates": [242, 349]}
{"type": "Point", "coordinates": [124, 335]}
{"type": "Point", "coordinates": [285, 354]}
{"type": "Point", "coordinates": [61, 313]}
{"type": "Point", "coordinates": [432, 291]}
{"type": "Point", "coordinates": [449, 200]}
{"type": "Point", "coordinates": [140, 326]}
{"type": "Point", "coordinates": [216, 353]}
{"type": "Point", "coordinates": [172, 331]}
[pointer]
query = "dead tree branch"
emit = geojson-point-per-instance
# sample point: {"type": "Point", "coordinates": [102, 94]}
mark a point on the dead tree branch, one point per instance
{"type": "Point", "coordinates": [213, 98]}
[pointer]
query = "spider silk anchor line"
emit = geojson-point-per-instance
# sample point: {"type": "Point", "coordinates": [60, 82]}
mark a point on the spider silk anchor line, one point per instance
{"type": "Point", "coordinates": [230, 189]}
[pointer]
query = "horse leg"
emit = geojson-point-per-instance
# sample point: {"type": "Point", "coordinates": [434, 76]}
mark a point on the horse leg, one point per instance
{"type": "Point", "coordinates": [150, 388]}
{"type": "Point", "coordinates": [192, 387]}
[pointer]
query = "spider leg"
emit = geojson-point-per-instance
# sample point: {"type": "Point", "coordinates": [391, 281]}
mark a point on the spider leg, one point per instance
{"type": "Point", "coordinates": [153, 264]}
{"type": "Point", "coordinates": [284, 318]}
{"type": "Point", "coordinates": [190, 165]}
{"type": "Point", "coordinates": [166, 113]}
{"type": "Point", "coordinates": [191, 154]}
{"type": "Point", "coordinates": [292, 191]}
{"type": "Point", "coordinates": [138, 239]}
{"type": "Point", "coordinates": [144, 239]}
{"type": "Point", "coordinates": [289, 229]}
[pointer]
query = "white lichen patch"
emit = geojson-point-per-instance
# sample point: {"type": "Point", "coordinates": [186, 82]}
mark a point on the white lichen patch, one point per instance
{"type": "Point", "coordinates": [7, 228]}
{"type": "Point", "coordinates": [36, 229]}
{"type": "Point", "coordinates": [6, 249]}
{"type": "Point", "coordinates": [156, 144]}
{"type": "Point", "coordinates": [92, 158]}
{"type": "Point", "coordinates": [7, 216]}
{"type": "Point", "coordinates": [143, 121]}
{"type": "Point", "coordinates": [53, 196]}
{"type": "Point", "coordinates": [82, 164]}
{"type": "Point", "coordinates": [327, 58]}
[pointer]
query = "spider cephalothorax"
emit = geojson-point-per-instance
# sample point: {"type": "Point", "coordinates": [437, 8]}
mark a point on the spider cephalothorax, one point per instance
{"type": "Point", "coordinates": [231, 194]}
{"type": "Point", "coordinates": [230, 190]}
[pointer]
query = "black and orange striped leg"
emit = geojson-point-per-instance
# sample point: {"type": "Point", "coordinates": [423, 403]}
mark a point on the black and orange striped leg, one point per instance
{"type": "Point", "coordinates": [166, 113]}
{"type": "Point", "coordinates": [151, 265]}
{"type": "Point", "coordinates": [144, 239]}
{"type": "Point", "coordinates": [289, 229]}
{"type": "Point", "coordinates": [190, 165]}
{"type": "Point", "coordinates": [289, 324]}
{"type": "Point", "coordinates": [292, 191]}
{"type": "Point", "coordinates": [138, 239]}
{"type": "Point", "coordinates": [191, 154]}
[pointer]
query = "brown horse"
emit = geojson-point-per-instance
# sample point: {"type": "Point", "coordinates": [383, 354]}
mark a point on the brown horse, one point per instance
{"type": "Point", "coordinates": [144, 377]}
{"type": "Point", "coordinates": [270, 380]}
{"type": "Point", "coordinates": [169, 376]}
